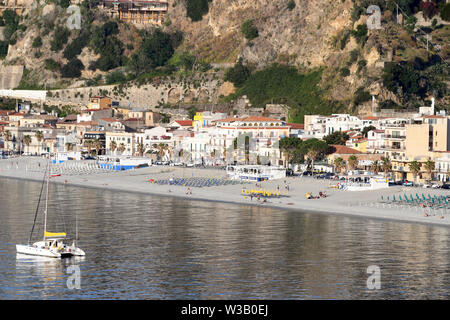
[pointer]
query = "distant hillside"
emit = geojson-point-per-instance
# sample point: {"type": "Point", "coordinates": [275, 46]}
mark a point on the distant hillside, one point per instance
{"type": "Point", "coordinates": [334, 61]}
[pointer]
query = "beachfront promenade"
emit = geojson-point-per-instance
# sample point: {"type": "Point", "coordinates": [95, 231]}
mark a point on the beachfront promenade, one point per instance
{"type": "Point", "coordinates": [397, 203]}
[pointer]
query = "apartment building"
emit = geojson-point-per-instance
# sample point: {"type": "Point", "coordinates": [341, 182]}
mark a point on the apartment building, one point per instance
{"type": "Point", "coordinates": [124, 143]}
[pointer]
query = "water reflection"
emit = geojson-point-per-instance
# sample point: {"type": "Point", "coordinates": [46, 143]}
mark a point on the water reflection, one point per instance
{"type": "Point", "coordinates": [146, 247]}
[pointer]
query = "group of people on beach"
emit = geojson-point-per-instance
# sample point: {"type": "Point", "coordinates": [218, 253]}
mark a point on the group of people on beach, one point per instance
{"type": "Point", "coordinates": [309, 195]}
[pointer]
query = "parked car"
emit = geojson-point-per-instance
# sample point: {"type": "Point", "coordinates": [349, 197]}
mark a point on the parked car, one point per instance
{"type": "Point", "coordinates": [426, 185]}
{"type": "Point", "coordinates": [307, 173]}
{"type": "Point", "coordinates": [435, 186]}
{"type": "Point", "coordinates": [445, 186]}
{"type": "Point", "coordinates": [407, 183]}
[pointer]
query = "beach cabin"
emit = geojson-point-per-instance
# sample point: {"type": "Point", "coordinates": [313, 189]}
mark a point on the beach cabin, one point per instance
{"type": "Point", "coordinates": [255, 172]}
{"type": "Point", "coordinates": [374, 183]}
{"type": "Point", "coordinates": [123, 162]}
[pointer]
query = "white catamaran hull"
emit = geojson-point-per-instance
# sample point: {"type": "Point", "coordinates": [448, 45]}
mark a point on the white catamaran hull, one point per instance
{"type": "Point", "coordinates": [54, 245]}
{"type": "Point", "coordinates": [31, 250]}
{"type": "Point", "coordinates": [39, 249]}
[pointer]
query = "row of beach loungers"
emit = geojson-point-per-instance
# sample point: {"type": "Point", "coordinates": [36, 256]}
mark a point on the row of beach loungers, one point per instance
{"type": "Point", "coordinates": [264, 193]}
{"type": "Point", "coordinates": [65, 168]}
{"type": "Point", "coordinates": [433, 202]}
{"type": "Point", "coordinates": [198, 182]}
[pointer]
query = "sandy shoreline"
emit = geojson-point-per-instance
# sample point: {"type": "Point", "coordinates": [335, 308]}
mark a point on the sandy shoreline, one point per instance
{"type": "Point", "coordinates": [365, 204]}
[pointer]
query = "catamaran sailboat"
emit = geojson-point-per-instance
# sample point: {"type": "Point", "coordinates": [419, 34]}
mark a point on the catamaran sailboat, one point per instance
{"type": "Point", "coordinates": [54, 244]}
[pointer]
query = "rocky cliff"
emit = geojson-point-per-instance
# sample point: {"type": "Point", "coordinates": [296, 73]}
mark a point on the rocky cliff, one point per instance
{"type": "Point", "coordinates": [307, 34]}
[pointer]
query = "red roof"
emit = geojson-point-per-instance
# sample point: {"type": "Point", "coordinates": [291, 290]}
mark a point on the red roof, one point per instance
{"type": "Point", "coordinates": [339, 149]}
{"type": "Point", "coordinates": [109, 119]}
{"type": "Point", "coordinates": [296, 125]}
{"type": "Point", "coordinates": [229, 119]}
{"type": "Point", "coordinates": [434, 117]}
{"type": "Point", "coordinates": [87, 123]}
{"type": "Point", "coordinates": [184, 123]}
{"type": "Point", "coordinates": [372, 118]}
{"type": "Point", "coordinates": [258, 118]}
{"type": "Point", "coordinates": [133, 119]}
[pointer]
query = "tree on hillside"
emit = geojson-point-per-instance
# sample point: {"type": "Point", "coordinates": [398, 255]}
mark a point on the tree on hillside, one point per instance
{"type": "Point", "coordinates": [365, 130]}
{"type": "Point", "coordinates": [196, 9]}
{"type": "Point", "coordinates": [191, 112]}
{"type": "Point", "coordinates": [249, 31]}
{"type": "Point", "coordinates": [445, 12]}
{"type": "Point", "coordinates": [337, 137]}
{"type": "Point", "coordinates": [156, 49]}
{"type": "Point", "coordinates": [237, 74]}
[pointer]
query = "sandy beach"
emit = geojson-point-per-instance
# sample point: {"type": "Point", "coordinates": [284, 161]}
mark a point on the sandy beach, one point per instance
{"type": "Point", "coordinates": [366, 204]}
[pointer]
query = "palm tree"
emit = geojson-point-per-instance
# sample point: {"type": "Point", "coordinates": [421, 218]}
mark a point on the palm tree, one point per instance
{"type": "Point", "coordinates": [112, 146]}
{"type": "Point", "coordinates": [122, 148]}
{"type": "Point", "coordinates": [339, 164]}
{"type": "Point", "coordinates": [352, 162]}
{"type": "Point", "coordinates": [161, 150]}
{"type": "Point", "coordinates": [414, 167]}
{"type": "Point", "coordinates": [429, 166]}
{"type": "Point", "coordinates": [69, 146]}
{"type": "Point", "coordinates": [7, 135]}
{"type": "Point", "coordinates": [27, 141]}
{"type": "Point", "coordinates": [98, 145]}
{"type": "Point", "coordinates": [376, 166]}
{"type": "Point", "coordinates": [89, 143]}
{"type": "Point", "coordinates": [386, 165]}
{"type": "Point", "coordinates": [39, 137]}
{"type": "Point", "coordinates": [141, 149]}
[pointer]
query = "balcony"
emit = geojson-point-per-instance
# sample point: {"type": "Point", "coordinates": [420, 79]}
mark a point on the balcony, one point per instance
{"type": "Point", "coordinates": [397, 137]}
{"type": "Point", "coordinates": [392, 148]}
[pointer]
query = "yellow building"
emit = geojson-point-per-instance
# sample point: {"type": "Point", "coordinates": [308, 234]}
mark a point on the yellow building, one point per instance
{"type": "Point", "coordinates": [360, 145]}
{"type": "Point", "coordinates": [423, 141]}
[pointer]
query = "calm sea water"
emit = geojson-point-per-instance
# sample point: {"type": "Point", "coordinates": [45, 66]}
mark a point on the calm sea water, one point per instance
{"type": "Point", "coordinates": [149, 247]}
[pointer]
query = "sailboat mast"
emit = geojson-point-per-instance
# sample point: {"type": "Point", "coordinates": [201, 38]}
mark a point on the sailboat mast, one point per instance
{"type": "Point", "coordinates": [46, 199]}
{"type": "Point", "coordinates": [76, 227]}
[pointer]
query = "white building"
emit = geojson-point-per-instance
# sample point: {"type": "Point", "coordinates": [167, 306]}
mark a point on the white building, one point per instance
{"type": "Point", "coordinates": [124, 143]}
{"type": "Point", "coordinates": [375, 140]}
{"type": "Point", "coordinates": [154, 138]}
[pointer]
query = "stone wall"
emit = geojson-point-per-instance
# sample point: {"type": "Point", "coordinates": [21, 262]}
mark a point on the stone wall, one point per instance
{"type": "Point", "coordinates": [147, 96]}
{"type": "Point", "coordinates": [10, 76]}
